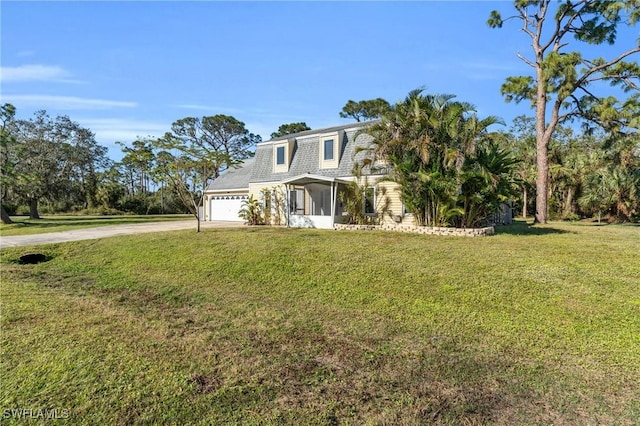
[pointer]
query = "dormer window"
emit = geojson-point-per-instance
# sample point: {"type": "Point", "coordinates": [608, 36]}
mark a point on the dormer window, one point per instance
{"type": "Point", "coordinates": [329, 150]}
{"type": "Point", "coordinates": [280, 155]}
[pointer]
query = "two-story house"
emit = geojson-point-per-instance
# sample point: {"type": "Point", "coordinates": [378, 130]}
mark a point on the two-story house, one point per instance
{"type": "Point", "coordinates": [299, 178]}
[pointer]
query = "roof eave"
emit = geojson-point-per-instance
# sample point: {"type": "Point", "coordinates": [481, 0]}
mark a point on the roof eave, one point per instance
{"type": "Point", "coordinates": [309, 178]}
{"type": "Point", "coordinates": [227, 190]}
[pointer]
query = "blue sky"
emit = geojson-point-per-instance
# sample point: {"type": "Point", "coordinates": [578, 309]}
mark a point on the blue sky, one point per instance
{"type": "Point", "coordinates": [129, 69]}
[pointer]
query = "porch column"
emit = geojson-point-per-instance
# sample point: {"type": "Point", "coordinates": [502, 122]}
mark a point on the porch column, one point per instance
{"type": "Point", "coordinates": [288, 205]}
{"type": "Point", "coordinates": [334, 195]}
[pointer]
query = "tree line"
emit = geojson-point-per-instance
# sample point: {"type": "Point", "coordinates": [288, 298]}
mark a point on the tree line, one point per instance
{"type": "Point", "coordinates": [453, 170]}
{"type": "Point", "coordinates": [439, 148]}
{"type": "Point", "coordinates": [568, 175]}
{"type": "Point", "coordinates": [55, 165]}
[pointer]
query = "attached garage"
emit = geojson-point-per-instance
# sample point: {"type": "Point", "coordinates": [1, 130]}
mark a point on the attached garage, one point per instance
{"type": "Point", "coordinates": [224, 196]}
{"type": "Point", "coordinates": [226, 207]}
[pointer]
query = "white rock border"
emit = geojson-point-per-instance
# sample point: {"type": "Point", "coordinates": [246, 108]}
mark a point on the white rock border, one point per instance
{"type": "Point", "coordinates": [425, 230]}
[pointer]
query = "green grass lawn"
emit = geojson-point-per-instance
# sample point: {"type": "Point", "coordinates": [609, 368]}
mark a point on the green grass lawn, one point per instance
{"type": "Point", "coordinates": [23, 225]}
{"type": "Point", "coordinates": [536, 325]}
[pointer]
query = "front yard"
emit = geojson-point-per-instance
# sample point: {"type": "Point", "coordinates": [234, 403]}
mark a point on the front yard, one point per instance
{"type": "Point", "coordinates": [536, 325]}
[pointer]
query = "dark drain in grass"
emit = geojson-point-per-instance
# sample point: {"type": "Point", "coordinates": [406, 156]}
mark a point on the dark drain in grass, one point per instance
{"type": "Point", "coordinates": [205, 384]}
{"type": "Point", "coordinates": [33, 258]}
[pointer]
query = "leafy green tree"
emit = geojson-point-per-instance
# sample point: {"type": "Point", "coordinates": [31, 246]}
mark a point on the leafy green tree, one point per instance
{"type": "Point", "coordinates": [522, 143]}
{"type": "Point", "coordinates": [43, 170]}
{"type": "Point", "coordinates": [112, 188]}
{"type": "Point", "coordinates": [220, 141]}
{"type": "Point", "coordinates": [612, 186]}
{"type": "Point", "coordinates": [138, 161]}
{"type": "Point", "coordinates": [56, 161]}
{"type": "Point", "coordinates": [364, 110]}
{"type": "Point", "coordinates": [7, 159]}
{"type": "Point", "coordinates": [598, 195]}
{"type": "Point", "coordinates": [203, 148]}
{"type": "Point", "coordinates": [291, 128]}
{"type": "Point", "coordinates": [572, 158]}
{"type": "Point", "coordinates": [564, 83]}
{"type": "Point", "coordinates": [180, 172]}
{"type": "Point", "coordinates": [86, 157]}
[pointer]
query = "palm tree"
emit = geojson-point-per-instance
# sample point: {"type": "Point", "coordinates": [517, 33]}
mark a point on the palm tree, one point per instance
{"type": "Point", "coordinates": [487, 181]}
{"type": "Point", "coordinates": [612, 183]}
{"type": "Point", "coordinates": [427, 139]}
{"type": "Point", "coordinates": [623, 154]}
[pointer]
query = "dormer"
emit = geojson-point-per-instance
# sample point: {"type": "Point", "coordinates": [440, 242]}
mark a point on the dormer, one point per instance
{"type": "Point", "coordinates": [329, 149]}
{"type": "Point", "coordinates": [282, 154]}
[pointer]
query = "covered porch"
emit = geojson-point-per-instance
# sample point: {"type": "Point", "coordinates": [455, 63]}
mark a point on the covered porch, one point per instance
{"type": "Point", "coordinates": [312, 201]}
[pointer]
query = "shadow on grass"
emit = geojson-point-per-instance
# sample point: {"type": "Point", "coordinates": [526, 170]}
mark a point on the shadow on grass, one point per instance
{"type": "Point", "coordinates": [629, 224]}
{"type": "Point", "coordinates": [524, 228]}
{"type": "Point", "coordinates": [46, 222]}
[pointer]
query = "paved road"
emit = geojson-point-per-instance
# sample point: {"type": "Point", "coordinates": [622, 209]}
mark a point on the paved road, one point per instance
{"type": "Point", "coordinates": [107, 231]}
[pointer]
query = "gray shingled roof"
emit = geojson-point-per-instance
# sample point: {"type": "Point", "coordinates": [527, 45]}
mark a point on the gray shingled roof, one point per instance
{"type": "Point", "coordinates": [325, 130]}
{"type": "Point", "coordinates": [305, 159]}
{"type": "Point", "coordinates": [235, 177]}
{"type": "Point", "coordinates": [306, 155]}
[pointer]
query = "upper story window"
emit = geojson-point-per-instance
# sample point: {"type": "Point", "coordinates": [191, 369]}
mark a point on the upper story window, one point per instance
{"type": "Point", "coordinates": [328, 149]}
{"type": "Point", "coordinates": [280, 155]}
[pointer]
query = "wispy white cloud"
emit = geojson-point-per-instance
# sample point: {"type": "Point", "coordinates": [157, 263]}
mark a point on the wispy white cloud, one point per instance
{"type": "Point", "coordinates": [36, 72]}
{"type": "Point", "coordinates": [194, 106]}
{"type": "Point", "coordinates": [64, 102]}
{"type": "Point", "coordinates": [109, 130]}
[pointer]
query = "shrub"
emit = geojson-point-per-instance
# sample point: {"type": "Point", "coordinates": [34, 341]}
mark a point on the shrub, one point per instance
{"type": "Point", "coordinates": [571, 217]}
{"type": "Point", "coordinates": [251, 211]}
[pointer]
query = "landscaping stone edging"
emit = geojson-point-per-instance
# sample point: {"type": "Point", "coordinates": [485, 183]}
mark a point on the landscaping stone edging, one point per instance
{"type": "Point", "coordinates": [425, 230]}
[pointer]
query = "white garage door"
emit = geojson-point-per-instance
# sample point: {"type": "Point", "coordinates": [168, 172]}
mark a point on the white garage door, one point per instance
{"type": "Point", "coordinates": [226, 207]}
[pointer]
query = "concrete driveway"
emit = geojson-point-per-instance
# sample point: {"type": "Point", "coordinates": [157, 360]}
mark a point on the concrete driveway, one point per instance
{"type": "Point", "coordinates": [108, 231]}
